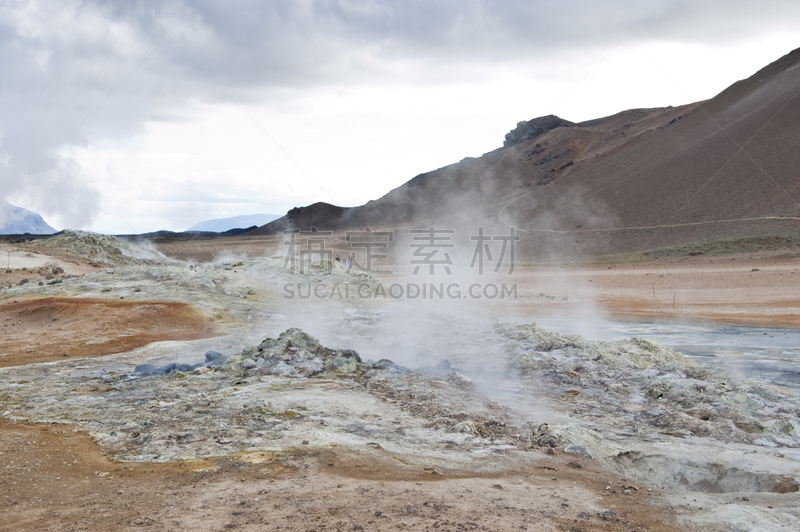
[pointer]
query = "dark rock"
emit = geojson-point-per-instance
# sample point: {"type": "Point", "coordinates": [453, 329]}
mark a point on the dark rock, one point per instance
{"type": "Point", "coordinates": [149, 369]}
{"type": "Point", "coordinates": [175, 367]}
{"type": "Point", "coordinates": [577, 449]}
{"type": "Point", "coordinates": [533, 128]}
{"type": "Point", "coordinates": [214, 358]}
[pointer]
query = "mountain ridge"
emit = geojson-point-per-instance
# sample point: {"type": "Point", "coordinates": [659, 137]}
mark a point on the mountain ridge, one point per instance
{"type": "Point", "coordinates": [243, 221]}
{"type": "Point", "coordinates": [635, 180]}
{"type": "Point", "coordinates": [17, 221]}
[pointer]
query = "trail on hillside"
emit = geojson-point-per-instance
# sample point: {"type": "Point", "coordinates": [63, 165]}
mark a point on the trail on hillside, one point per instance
{"type": "Point", "coordinates": [635, 228]}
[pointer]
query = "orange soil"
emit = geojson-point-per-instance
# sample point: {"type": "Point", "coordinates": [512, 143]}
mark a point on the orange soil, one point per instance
{"type": "Point", "coordinates": [47, 329]}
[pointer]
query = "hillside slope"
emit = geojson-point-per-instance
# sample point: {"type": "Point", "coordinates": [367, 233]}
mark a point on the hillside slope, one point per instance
{"type": "Point", "coordinates": [725, 169]}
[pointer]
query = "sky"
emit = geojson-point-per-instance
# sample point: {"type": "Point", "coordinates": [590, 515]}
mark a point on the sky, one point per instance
{"type": "Point", "coordinates": [131, 117]}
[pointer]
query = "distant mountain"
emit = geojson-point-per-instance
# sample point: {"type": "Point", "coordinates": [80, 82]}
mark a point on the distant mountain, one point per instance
{"type": "Point", "coordinates": [17, 221]}
{"type": "Point", "coordinates": [221, 225]}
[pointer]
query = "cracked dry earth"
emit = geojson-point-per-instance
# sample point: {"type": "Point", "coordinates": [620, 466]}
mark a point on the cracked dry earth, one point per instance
{"type": "Point", "coordinates": [506, 427]}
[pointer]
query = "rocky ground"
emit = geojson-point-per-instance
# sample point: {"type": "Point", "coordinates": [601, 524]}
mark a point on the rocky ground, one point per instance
{"type": "Point", "coordinates": [58, 481]}
{"type": "Point", "coordinates": [214, 403]}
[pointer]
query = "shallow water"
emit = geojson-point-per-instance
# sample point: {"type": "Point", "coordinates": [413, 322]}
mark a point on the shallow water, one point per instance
{"type": "Point", "coordinates": [768, 354]}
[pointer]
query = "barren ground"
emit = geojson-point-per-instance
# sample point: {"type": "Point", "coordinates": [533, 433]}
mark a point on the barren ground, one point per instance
{"type": "Point", "coordinates": [756, 288]}
{"type": "Point", "coordinates": [21, 261]}
{"type": "Point", "coordinates": [46, 329]}
{"type": "Point", "coordinates": [56, 477]}
{"type": "Point", "coordinates": [744, 289]}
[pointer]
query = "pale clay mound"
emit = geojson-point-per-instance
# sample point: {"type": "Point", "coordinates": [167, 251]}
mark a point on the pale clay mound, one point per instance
{"type": "Point", "coordinates": [291, 390]}
{"type": "Point", "coordinates": [655, 389]}
{"type": "Point", "coordinates": [655, 415]}
{"type": "Point", "coordinates": [275, 396]}
{"type": "Point", "coordinates": [105, 249]}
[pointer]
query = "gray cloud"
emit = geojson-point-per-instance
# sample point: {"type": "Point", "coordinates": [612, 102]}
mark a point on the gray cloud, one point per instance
{"type": "Point", "coordinates": [290, 43]}
{"type": "Point", "coordinates": [79, 72]}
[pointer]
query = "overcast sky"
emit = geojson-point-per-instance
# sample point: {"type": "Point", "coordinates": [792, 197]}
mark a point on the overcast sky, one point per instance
{"type": "Point", "coordinates": [129, 117]}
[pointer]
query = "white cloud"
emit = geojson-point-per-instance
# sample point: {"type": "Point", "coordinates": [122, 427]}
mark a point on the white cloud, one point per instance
{"type": "Point", "coordinates": [363, 95]}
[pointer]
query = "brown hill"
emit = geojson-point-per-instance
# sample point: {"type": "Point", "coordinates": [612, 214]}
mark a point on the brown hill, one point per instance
{"type": "Point", "coordinates": [723, 172]}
